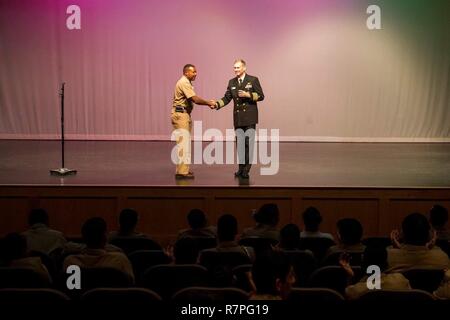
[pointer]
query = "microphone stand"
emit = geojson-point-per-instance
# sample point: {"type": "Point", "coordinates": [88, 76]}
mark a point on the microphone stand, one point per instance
{"type": "Point", "coordinates": [63, 171]}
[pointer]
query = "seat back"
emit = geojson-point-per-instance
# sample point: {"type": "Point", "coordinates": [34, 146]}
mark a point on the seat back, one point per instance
{"type": "Point", "coordinates": [318, 246]}
{"type": "Point", "coordinates": [131, 244]}
{"type": "Point", "coordinates": [202, 294]}
{"type": "Point", "coordinates": [104, 278]}
{"type": "Point", "coordinates": [33, 297]}
{"type": "Point", "coordinates": [424, 279]}
{"type": "Point", "coordinates": [220, 265]}
{"type": "Point", "coordinates": [168, 279]}
{"type": "Point", "coordinates": [332, 277]}
{"type": "Point", "coordinates": [142, 260]}
{"type": "Point", "coordinates": [320, 296]}
{"type": "Point", "coordinates": [396, 296]}
{"type": "Point", "coordinates": [377, 242]}
{"type": "Point", "coordinates": [21, 278]}
{"type": "Point", "coordinates": [120, 296]}
{"type": "Point", "coordinates": [258, 244]}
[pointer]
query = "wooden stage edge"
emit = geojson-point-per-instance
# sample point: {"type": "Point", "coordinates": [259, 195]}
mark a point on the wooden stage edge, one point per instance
{"type": "Point", "coordinates": [163, 209]}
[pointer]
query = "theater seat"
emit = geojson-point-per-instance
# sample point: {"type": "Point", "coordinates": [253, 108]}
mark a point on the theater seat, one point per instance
{"type": "Point", "coordinates": [307, 296]}
{"type": "Point", "coordinates": [202, 294]}
{"type": "Point", "coordinates": [167, 279]}
{"type": "Point", "coordinates": [21, 278]}
{"type": "Point", "coordinates": [33, 297]}
{"type": "Point", "coordinates": [396, 296]}
{"type": "Point", "coordinates": [120, 296]}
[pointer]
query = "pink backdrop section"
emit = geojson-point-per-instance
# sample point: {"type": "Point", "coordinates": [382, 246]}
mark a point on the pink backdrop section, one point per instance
{"type": "Point", "coordinates": [325, 75]}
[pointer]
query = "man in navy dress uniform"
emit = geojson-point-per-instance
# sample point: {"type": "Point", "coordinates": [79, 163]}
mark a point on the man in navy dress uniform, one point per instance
{"type": "Point", "coordinates": [245, 91]}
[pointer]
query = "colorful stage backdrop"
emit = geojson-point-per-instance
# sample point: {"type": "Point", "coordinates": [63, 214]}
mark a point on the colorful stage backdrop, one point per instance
{"type": "Point", "coordinates": [326, 76]}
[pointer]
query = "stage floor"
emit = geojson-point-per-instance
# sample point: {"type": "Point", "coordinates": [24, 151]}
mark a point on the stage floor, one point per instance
{"type": "Point", "coordinates": [309, 165]}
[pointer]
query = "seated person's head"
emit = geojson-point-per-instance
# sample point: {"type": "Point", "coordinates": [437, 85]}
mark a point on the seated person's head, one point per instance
{"type": "Point", "coordinates": [14, 246]}
{"type": "Point", "coordinates": [272, 274]}
{"type": "Point", "coordinates": [350, 231]}
{"type": "Point", "coordinates": [227, 228]}
{"type": "Point", "coordinates": [38, 216]}
{"type": "Point", "coordinates": [94, 233]}
{"type": "Point", "coordinates": [268, 214]}
{"type": "Point", "coordinates": [186, 251]}
{"type": "Point", "coordinates": [312, 219]}
{"type": "Point", "coordinates": [416, 229]}
{"type": "Point", "coordinates": [438, 216]}
{"type": "Point", "coordinates": [375, 255]}
{"type": "Point", "coordinates": [290, 236]}
{"type": "Point", "coordinates": [196, 219]}
{"type": "Point", "coordinates": [128, 220]}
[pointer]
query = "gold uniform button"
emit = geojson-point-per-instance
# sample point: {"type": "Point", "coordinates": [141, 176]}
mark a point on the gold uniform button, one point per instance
{"type": "Point", "coordinates": [237, 111]}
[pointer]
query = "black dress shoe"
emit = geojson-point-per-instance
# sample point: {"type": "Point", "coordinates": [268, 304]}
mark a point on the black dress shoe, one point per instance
{"type": "Point", "coordinates": [238, 173]}
{"type": "Point", "coordinates": [244, 175]}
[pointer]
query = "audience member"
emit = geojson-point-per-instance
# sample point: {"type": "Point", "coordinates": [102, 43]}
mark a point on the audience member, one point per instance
{"type": "Point", "coordinates": [227, 228]}
{"type": "Point", "coordinates": [272, 276]}
{"type": "Point", "coordinates": [350, 232]}
{"type": "Point", "coordinates": [266, 219]}
{"type": "Point", "coordinates": [312, 220]}
{"type": "Point", "coordinates": [198, 226]}
{"type": "Point", "coordinates": [128, 220]}
{"type": "Point", "coordinates": [290, 237]}
{"type": "Point", "coordinates": [185, 251]}
{"type": "Point", "coordinates": [438, 220]}
{"type": "Point", "coordinates": [15, 254]}
{"type": "Point", "coordinates": [373, 256]}
{"type": "Point", "coordinates": [94, 255]}
{"type": "Point", "coordinates": [417, 249]}
{"type": "Point", "coordinates": [40, 237]}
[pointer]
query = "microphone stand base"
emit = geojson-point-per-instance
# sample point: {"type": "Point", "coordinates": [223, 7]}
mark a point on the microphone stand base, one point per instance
{"type": "Point", "coordinates": [63, 172]}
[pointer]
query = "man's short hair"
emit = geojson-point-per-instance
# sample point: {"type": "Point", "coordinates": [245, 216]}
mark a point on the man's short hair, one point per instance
{"type": "Point", "coordinates": [94, 231]}
{"type": "Point", "coordinates": [38, 216]}
{"type": "Point", "coordinates": [196, 219]}
{"type": "Point", "coordinates": [416, 229]}
{"type": "Point", "coordinates": [268, 214]}
{"type": "Point", "coordinates": [350, 231]}
{"type": "Point", "coordinates": [13, 246]}
{"type": "Point", "coordinates": [187, 66]}
{"type": "Point", "coordinates": [312, 219]}
{"type": "Point", "coordinates": [227, 227]}
{"type": "Point", "coordinates": [438, 216]}
{"type": "Point", "coordinates": [241, 61]}
{"type": "Point", "coordinates": [128, 219]}
{"type": "Point", "coordinates": [290, 236]}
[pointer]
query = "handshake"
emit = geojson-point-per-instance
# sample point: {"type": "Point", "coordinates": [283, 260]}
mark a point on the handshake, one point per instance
{"type": "Point", "coordinates": [213, 104]}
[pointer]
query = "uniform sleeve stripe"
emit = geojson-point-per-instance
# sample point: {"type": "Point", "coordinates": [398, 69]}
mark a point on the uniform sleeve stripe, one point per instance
{"type": "Point", "coordinates": [221, 104]}
{"type": "Point", "coordinates": [255, 96]}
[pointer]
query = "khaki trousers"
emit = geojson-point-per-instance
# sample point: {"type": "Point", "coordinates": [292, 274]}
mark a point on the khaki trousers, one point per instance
{"type": "Point", "coordinates": [182, 125]}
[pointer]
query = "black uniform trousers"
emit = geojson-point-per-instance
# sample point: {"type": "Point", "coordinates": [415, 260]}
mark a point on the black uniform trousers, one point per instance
{"type": "Point", "coordinates": [245, 156]}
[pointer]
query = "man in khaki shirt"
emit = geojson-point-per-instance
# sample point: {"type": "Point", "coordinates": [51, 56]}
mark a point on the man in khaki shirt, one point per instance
{"type": "Point", "coordinates": [183, 102]}
{"type": "Point", "coordinates": [95, 255]}
{"type": "Point", "coordinates": [417, 249]}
